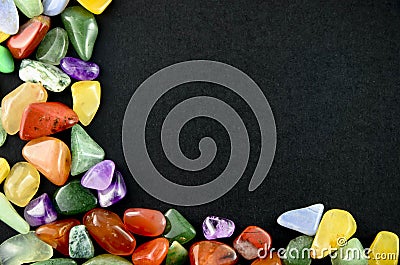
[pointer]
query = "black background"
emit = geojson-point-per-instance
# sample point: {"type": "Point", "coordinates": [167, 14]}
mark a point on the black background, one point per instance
{"type": "Point", "coordinates": [330, 71]}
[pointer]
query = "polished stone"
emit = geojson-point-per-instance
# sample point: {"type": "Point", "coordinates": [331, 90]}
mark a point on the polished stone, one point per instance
{"type": "Point", "coordinates": [269, 260]}
{"type": "Point", "coordinates": [352, 253]}
{"type": "Point", "coordinates": [95, 6]}
{"type": "Point", "coordinates": [216, 227]}
{"type": "Point", "coordinates": [80, 244]}
{"type": "Point", "coordinates": [10, 217]}
{"type": "Point", "coordinates": [86, 100]}
{"type": "Point", "coordinates": [53, 47]}
{"type": "Point", "coordinates": [40, 211]}
{"type": "Point", "coordinates": [251, 240]}
{"type": "Point", "coordinates": [177, 254]}
{"type": "Point", "coordinates": [180, 229]}
{"type": "Point", "coordinates": [107, 259]}
{"type": "Point", "coordinates": [151, 253]}
{"type": "Point", "coordinates": [113, 193]}
{"type": "Point", "coordinates": [99, 176]}
{"type": "Point", "coordinates": [144, 222]}
{"type": "Point", "coordinates": [212, 252]}
{"type": "Point", "coordinates": [384, 250]}
{"type": "Point", "coordinates": [30, 8]}
{"type": "Point", "coordinates": [54, 7]}
{"type": "Point", "coordinates": [4, 169]}
{"type": "Point", "coordinates": [61, 261]}
{"type": "Point", "coordinates": [6, 61]}
{"type": "Point", "coordinates": [3, 36]}
{"type": "Point", "coordinates": [9, 18]}
{"type": "Point", "coordinates": [3, 138]}
{"type": "Point", "coordinates": [79, 69]}
{"type": "Point", "coordinates": [297, 251]}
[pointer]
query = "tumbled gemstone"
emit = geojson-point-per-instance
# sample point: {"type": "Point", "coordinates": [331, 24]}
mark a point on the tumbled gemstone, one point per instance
{"type": "Point", "coordinates": [151, 253]}
{"type": "Point", "coordinates": [212, 252]}
{"type": "Point", "coordinates": [46, 118]}
{"type": "Point", "coordinates": [177, 254]}
{"type": "Point", "coordinates": [28, 37]}
{"type": "Point", "coordinates": [3, 137]}
{"type": "Point", "coordinates": [216, 227]}
{"type": "Point", "coordinates": [335, 225]}
{"type": "Point", "coordinates": [96, 7]}
{"type": "Point", "coordinates": [82, 30]}
{"type": "Point", "coordinates": [80, 70]}
{"type": "Point", "coordinates": [271, 259]}
{"type": "Point", "coordinates": [6, 61]}
{"type": "Point", "coordinates": [10, 217]}
{"type": "Point", "coordinates": [144, 222]}
{"type": "Point", "coordinates": [4, 169]}
{"type": "Point", "coordinates": [9, 19]}
{"type": "Point", "coordinates": [53, 47]}
{"type": "Point", "coordinates": [52, 78]}
{"type": "Point", "coordinates": [114, 193]}
{"type": "Point", "coordinates": [99, 176]}
{"type": "Point", "coordinates": [30, 8]}
{"type": "Point", "coordinates": [14, 103]}
{"type": "Point", "coordinates": [107, 259]}
{"type": "Point", "coordinates": [251, 240]}
{"type": "Point", "coordinates": [74, 199]}
{"type": "Point", "coordinates": [51, 157]}
{"type": "Point", "coordinates": [180, 229]}
{"type": "Point", "coordinates": [56, 262]}
{"type": "Point", "coordinates": [296, 251]}
{"type": "Point", "coordinates": [40, 211]}
{"type": "Point", "coordinates": [21, 184]}
{"type": "Point", "coordinates": [109, 232]}
{"type": "Point", "coordinates": [25, 248]}
{"type": "Point", "coordinates": [86, 100]}
{"type": "Point", "coordinates": [80, 244]}
{"type": "Point", "coordinates": [3, 36]}
{"type": "Point", "coordinates": [56, 234]}
{"type": "Point", "coordinates": [352, 253]}
{"type": "Point", "coordinates": [384, 250]}
{"type": "Point", "coordinates": [54, 7]}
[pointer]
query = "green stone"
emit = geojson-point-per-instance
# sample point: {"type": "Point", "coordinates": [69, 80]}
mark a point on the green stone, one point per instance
{"type": "Point", "coordinates": [3, 133]}
{"type": "Point", "coordinates": [82, 30]}
{"type": "Point", "coordinates": [107, 259]}
{"type": "Point", "coordinates": [298, 251]}
{"type": "Point", "coordinates": [6, 61]}
{"type": "Point", "coordinates": [85, 151]}
{"type": "Point", "coordinates": [181, 230]}
{"type": "Point", "coordinates": [9, 216]}
{"type": "Point", "coordinates": [177, 254]}
{"type": "Point", "coordinates": [60, 261]}
{"type": "Point", "coordinates": [80, 244]}
{"type": "Point", "coordinates": [53, 47]}
{"type": "Point", "coordinates": [73, 199]}
{"type": "Point", "coordinates": [30, 8]}
{"type": "Point", "coordinates": [350, 254]}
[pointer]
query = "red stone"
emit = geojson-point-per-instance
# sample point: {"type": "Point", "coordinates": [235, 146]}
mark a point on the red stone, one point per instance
{"type": "Point", "coordinates": [28, 37]}
{"type": "Point", "coordinates": [250, 241]}
{"type": "Point", "coordinates": [56, 234]}
{"type": "Point", "coordinates": [151, 253]}
{"type": "Point", "coordinates": [212, 252]}
{"type": "Point", "coordinates": [144, 222]}
{"type": "Point", "coordinates": [274, 260]}
{"type": "Point", "coordinates": [46, 118]}
{"type": "Point", "coordinates": [109, 232]}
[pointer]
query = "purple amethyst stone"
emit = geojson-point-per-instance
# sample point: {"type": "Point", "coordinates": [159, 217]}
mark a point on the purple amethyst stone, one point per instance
{"type": "Point", "coordinates": [99, 176]}
{"type": "Point", "coordinates": [40, 211]}
{"type": "Point", "coordinates": [78, 69]}
{"type": "Point", "coordinates": [114, 193]}
{"type": "Point", "coordinates": [217, 227]}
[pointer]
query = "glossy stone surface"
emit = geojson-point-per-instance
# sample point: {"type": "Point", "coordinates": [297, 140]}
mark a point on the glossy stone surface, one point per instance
{"type": "Point", "coordinates": [335, 224]}
{"type": "Point", "coordinates": [180, 229]}
{"type": "Point", "coordinates": [295, 250]}
{"type": "Point", "coordinates": [54, 7]}
{"type": "Point", "coordinates": [177, 254]}
{"type": "Point", "coordinates": [212, 252]}
{"type": "Point", "coordinates": [79, 70]}
{"type": "Point", "coordinates": [9, 18]}
{"type": "Point", "coordinates": [3, 138]}
{"type": "Point", "coordinates": [3, 36]}
{"type": "Point", "coordinates": [21, 184]}
{"type": "Point", "coordinates": [4, 169]}
{"type": "Point", "coordinates": [304, 220]}
{"type": "Point", "coordinates": [14, 103]}
{"type": "Point", "coordinates": [28, 37]}
{"type": "Point", "coordinates": [151, 253]}
{"type": "Point", "coordinates": [144, 222]}
{"type": "Point", "coordinates": [30, 8]}
{"type": "Point", "coordinates": [56, 262]}
{"type": "Point", "coordinates": [10, 217]}
{"type": "Point", "coordinates": [250, 241]}
{"type": "Point", "coordinates": [51, 157]}
{"type": "Point", "coordinates": [350, 254]}
{"type": "Point", "coordinates": [53, 47]}
{"type": "Point", "coordinates": [269, 260]}
{"type": "Point", "coordinates": [216, 227]}
{"type": "Point", "coordinates": [107, 259]}
{"type": "Point", "coordinates": [80, 244]}
{"type": "Point", "coordinates": [86, 100]}
{"type": "Point", "coordinates": [51, 77]}
{"type": "Point", "coordinates": [95, 6]}
{"type": "Point", "coordinates": [40, 211]}
{"type": "Point", "coordinates": [109, 232]}
{"type": "Point", "coordinates": [6, 61]}
{"type": "Point", "coordinates": [25, 248]}
{"type": "Point", "coordinates": [74, 199]}
{"type": "Point", "coordinates": [114, 193]}
{"type": "Point", "coordinates": [99, 176]}
{"type": "Point", "coordinates": [385, 244]}
{"type": "Point", "coordinates": [85, 151]}
{"type": "Point", "coordinates": [46, 118]}
{"type": "Point", "coordinates": [56, 234]}
{"type": "Point", "coordinates": [82, 30]}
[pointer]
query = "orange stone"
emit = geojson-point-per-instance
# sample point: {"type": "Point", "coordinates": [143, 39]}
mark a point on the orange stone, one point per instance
{"type": "Point", "coordinates": [144, 222]}
{"type": "Point", "coordinates": [151, 253]}
{"type": "Point", "coordinates": [56, 234]}
{"type": "Point", "coordinates": [51, 157]}
{"type": "Point", "coordinates": [212, 252]}
{"type": "Point", "coordinates": [274, 260]}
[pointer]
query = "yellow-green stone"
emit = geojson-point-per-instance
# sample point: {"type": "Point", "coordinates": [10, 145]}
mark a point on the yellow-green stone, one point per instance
{"type": "Point", "coordinates": [350, 254]}
{"type": "Point", "coordinates": [180, 229]}
{"type": "Point", "coordinates": [60, 261]}
{"type": "Point", "coordinates": [177, 254]}
{"type": "Point", "coordinates": [297, 252]}
{"type": "Point", "coordinates": [53, 47]}
{"type": "Point", "coordinates": [107, 259]}
{"type": "Point", "coordinates": [6, 61]}
{"type": "Point", "coordinates": [30, 8]}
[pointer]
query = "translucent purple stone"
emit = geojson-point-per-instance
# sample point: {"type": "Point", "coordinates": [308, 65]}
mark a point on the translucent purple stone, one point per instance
{"type": "Point", "coordinates": [78, 69]}
{"type": "Point", "coordinates": [40, 211]}
{"type": "Point", "coordinates": [217, 227]}
{"type": "Point", "coordinates": [99, 176]}
{"type": "Point", "coordinates": [114, 193]}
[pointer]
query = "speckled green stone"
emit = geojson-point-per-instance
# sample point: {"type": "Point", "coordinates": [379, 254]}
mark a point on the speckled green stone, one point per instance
{"type": "Point", "coordinates": [53, 47]}
{"type": "Point", "coordinates": [180, 230]}
{"type": "Point", "coordinates": [3, 133]}
{"type": "Point", "coordinates": [351, 254]}
{"type": "Point", "coordinates": [296, 248]}
{"type": "Point", "coordinates": [80, 244]}
{"type": "Point", "coordinates": [73, 199]}
{"type": "Point", "coordinates": [177, 254]}
{"type": "Point", "coordinates": [56, 262]}
{"type": "Point", "coordinates": [30, 8]}
{"type": "Point", "coordinates": [107, 259]}
{"type": "Point", "coordinates": [6, 61]}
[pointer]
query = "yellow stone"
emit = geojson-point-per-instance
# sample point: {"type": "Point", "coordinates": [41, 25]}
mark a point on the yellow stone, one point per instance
{"type": "Point", "coordinates": [3, 36]}
{"type": "Point", "coordinates": [86, 100]}
{"type": "Point", "coordinates": [384, 250]}
{"type": "Point", "coordinates": [95, 6]}
{"type": "Point", "coordinates": [22, 184]}
{"type": "Point", "coordinates": [336, 227]}
{"type": "Point", "coordinates": [14, 103]}
{"type": "Point", "coordinates": [4, 169]}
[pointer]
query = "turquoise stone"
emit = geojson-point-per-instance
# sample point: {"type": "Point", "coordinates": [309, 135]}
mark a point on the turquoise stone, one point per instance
{"type": "Point", "coordinates": [297, 252]}
{"type": "Point", "coordinates": [180, 229]}
{"type": "Point", "coordinates": [74, 199]}
{"type": "Point", "coordinates": [3, 133]}
{"type": "Point", "coordinates": [107, 259]}
{"type": "Point", "coordinates": [53, 47]}
{"type": "Point", "coordinates": [350, 254]}
{"type": "Point", "coordinates": [82, 30]}
{"type": "Point", "coordinates": [10, 216]}
{"type": "Point", "coordinates": [56, 262]}
{"type": "Point", "coordinates": [85, 151]}
{"type": "Point", "coordinates": [177, 254]}
{"type": "Point", "coordinates": [6, 61]}
{"type": "Point", "coordinates": [80, 244]}
{"type": "Point", "coordinates": [9, 18]}
{"type": "Point", "coordinates": [30, 8]}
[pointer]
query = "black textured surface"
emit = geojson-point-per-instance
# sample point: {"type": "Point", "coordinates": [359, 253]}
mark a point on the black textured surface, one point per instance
{"type": "Point", "coordinates": [330, 71]}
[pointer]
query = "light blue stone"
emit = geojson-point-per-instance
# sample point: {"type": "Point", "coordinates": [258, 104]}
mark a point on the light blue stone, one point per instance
{"type": "Point", "coordinates": [54, 7]}
{"type": "Point", "coordinates": [304, 220]}
{"type": "Point", "coordinates": [9, 19]}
